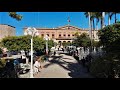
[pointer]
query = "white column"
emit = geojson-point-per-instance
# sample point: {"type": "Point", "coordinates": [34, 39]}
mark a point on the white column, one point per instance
{"type": "Point", "coordinates": [31, 68]}
{"type": "Point", "coordinates": [46, 46]}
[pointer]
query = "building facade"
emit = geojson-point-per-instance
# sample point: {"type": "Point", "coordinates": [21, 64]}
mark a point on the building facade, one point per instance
{"type": "Point", "coordinates": [6, 30]}
{"type": "Point", "coordinates": [64, 33]}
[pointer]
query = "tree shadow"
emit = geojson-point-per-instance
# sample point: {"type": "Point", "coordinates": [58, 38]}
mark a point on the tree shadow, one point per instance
{"type": "Point", "coordinates": [75, 69]}
{"type": "Point", "coordinates": [67, 58]}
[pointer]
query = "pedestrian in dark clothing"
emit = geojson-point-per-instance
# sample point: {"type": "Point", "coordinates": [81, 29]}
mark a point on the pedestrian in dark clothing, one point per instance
{"type": "Point", "coordinates": [63, 49]}
{"type": "Point", "coordinates": [54, 52]}
{"type": "Point", "coordinates": [90, 58]}
{"type": "Point", "coordinates": [48, 52]}
{"type": "Point", "coordinates": [77, 52]}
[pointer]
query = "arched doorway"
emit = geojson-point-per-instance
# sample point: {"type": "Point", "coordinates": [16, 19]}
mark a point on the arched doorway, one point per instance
{"type": "Point", "coordinates": [59, 43]}
{"type": "Point", "coordinates": [64, 44]}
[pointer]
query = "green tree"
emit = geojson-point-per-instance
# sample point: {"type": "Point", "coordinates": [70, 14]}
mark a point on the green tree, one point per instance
{"type": "Point", "coordinates": [109, 17]}
{"type": "Point", "coordinates": [22, 43]}
{"type": "Point", "coordinates": [109, 35]}
{"type": "Point", "coordinates": [109, 64]}
{"type": "Point", "coordinates": [66, 44]}
{"type": "Point", "coordinates": [83, 40]}
{"type": "Point", "coordinates": [50, 44]}
{"type": "Point", "coordinates": [0, 51]}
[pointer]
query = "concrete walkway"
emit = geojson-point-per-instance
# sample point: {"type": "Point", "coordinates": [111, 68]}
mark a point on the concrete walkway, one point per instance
{"type": "Point", "coordinates": [62, 66]}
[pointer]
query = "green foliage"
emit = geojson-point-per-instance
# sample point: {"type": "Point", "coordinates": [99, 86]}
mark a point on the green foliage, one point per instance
{"type": "Point", "coordinates": [66, 44]}
{"type": "Point", "coordinates": [82, 40]}
{"type": "Point", "coordinates": [43, 58]}
{"type": "Point", "coordinates": [110, 37]}
{"type": "Point", "coordinates": [0, 51]}
{"type": "Point", "coordinates": [38, 43]}
{"type": "Point", "coordinates": [50, 44]}
{"type": "Point", "coordinates": [96, 43]}
{"type": "Point", "coordinates": [22, 43]}
{"type": "Point", "coordinates": [77, 33]}
{"type": "Point", "coordinates": [103, 67]}
{"type": "Point", "coordinates": [15, 16]}
{"type": "Point", "coordinates": [2, 63]}
{"type": "Point", "coordinates": [109, 64]}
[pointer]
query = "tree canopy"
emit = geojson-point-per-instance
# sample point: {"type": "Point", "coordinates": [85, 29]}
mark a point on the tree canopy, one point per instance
{"type": "Point", "coordinates": [108, 65]}
{"type": "Point", "coordinates": [22, 43]}
{"type": "Point", "coordinates": [15, 16]}
{"type": "Point", "coordinates": [82, 40]}
{"type": "Point", "coordinates": [110, 37]}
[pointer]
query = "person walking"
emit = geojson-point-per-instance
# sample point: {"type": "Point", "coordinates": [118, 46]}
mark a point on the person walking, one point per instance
{"type": "Point", "coordinates": [54, 53]}
{"type": "Point", "coordinates": [63, 49]}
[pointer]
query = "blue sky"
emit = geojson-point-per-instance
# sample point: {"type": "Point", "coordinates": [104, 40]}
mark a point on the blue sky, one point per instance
{"type": "Point", "coordinates": [47, 19]}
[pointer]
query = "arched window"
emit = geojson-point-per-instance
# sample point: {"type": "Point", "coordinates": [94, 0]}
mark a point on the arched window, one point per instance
{"type": "Point", "coordinates": [60, 43]}
{"type": "Point", "coordinates": [53, 35]}
{"type": "Point", "coordinates": [47, 34]}
{"type": "Point", "coordinates": [64, 35]}
{"type": "Point", "coordinates": [42, 35]}
{"type": "Point", "coordinates": [59, 35]}
{"type": "Point", "coordinates": [68, 35]}
{"type": "Point", "coordinates": [64, 41]}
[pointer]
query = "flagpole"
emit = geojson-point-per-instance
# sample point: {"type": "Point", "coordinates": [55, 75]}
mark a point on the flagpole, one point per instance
{"type": "Point", "coordinates": [68, 21]}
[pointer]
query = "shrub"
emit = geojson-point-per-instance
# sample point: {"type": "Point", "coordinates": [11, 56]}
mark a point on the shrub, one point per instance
{"type": "Point", "coordinates": [103, 67]}
{"type": "Point", "coordinates": [43, 58]}
{"type": "Point", "coordinates": [2, 63]}
{"type": "Point", "coordinates": [0, 51]}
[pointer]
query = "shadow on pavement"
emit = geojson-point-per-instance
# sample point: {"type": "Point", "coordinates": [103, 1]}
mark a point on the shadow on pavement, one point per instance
{"type": "Point", "coordinates": [67, 58]}
{"type": "Point", "coordinates": [76, 70]}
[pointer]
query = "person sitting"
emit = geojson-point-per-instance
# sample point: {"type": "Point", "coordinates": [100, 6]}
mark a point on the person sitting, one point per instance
{"type": "Point", "coordinates": [37, 65]}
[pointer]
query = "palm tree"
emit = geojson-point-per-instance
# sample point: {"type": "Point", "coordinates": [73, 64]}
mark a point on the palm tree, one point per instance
{"type": "Point", "coordinates": [115, 17]}
{"type": "Point", "coordinates": [90, 15]}
{"type": "Point", "coordinates": [103, 17]}
{"type": "Point", "coordinates": [100, 16]}
{"type": "Point", "coordinates": [109, 17]}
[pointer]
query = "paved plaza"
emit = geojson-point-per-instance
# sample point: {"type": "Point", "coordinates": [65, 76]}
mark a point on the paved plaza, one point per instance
{"type": "Point", "coordinates": [61, 66]}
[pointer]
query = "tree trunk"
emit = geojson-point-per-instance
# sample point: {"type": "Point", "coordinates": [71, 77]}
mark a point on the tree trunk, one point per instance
{"type": "Point", "coordinates": [103, 15]}
{"type": "Point", "coordinates": [96, 25]}
{"type": "Point", "coordinates": [108, 18]}
{"type": "Point", "coordinates": [115, 18]}
{"type": "Point", "coordinates": [89, 25]}
{"type": "Point", "coordinates": [93, 28]}
{"type": "Point", "coordinates": [101, 23]}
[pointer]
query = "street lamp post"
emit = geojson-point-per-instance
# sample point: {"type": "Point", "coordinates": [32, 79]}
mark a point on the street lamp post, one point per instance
{"type": "Point", "coordinates": [33, 32]}
{"type": "Point", "coordinates": [46, 38]}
